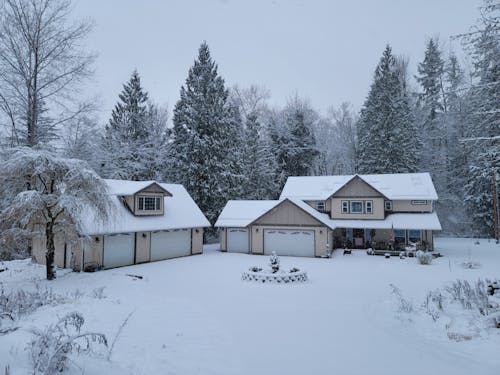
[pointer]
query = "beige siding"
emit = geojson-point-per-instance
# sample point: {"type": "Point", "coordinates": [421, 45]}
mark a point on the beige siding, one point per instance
{"type": "Point", "coordinates": [154, 188]}
{"type": "Point", "coordinates": [130, 200]}
{"type": "Point", "coordinates": [59, 244]}
{"type": "Point", "coordinates": [357, 188]}
{"type": "Point", "coordinates": [314, 204]}
{"type": "Point", "coordinates": [257, 237]}
{"type": "Point", "coordinates": [407, 206]}
{"type": "Point", "coordinates": [94, 250]}
{"type": "Point", "coordinates": [378, 209]}
{"type": "Point", "coordinates": [223, 237]}
{"type": "Point", "coordinates": [142, 247]}
{"type": "Point", "coordinates": [196, 240]}
{"type": "Point", "coordinates": [428, 237]}
{"type": "Point", "coordinates": [286, 213]}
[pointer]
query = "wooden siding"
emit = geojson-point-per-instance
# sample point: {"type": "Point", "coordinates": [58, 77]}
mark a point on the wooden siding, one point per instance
{"type": "Point", "coordinates": [407, 206]}
{"type": "Point", "coordinates": [377, 207]}
{"type": "Point", "coordinates": [286, 213]}
{"type": "Point", "coordinates": [357, 188]}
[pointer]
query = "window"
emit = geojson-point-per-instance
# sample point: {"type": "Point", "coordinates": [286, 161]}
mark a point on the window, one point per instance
{"type": "Point", "coordinates": [369, 207]}
{"type": "Point", "coordinates": [388, 205]}
{"type": "Point", "coordinates": [320, 206]}
{"type": "Point", "coordinates": [414, 236]}
{"type": "Point", "coordinates": [415, 203]}
{"type": "Point", "coordinates": [149, 203]}
{"type": "Point", "coordinates": [399, 236]}
{"type": "Point", "coordinates": [356, 207]}
{"type": "Point", "coordinates": [345, 207]}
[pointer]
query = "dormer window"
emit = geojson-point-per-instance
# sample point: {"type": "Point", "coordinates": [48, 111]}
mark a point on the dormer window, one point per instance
{"type": "Point", "coordinates": [149, 203]}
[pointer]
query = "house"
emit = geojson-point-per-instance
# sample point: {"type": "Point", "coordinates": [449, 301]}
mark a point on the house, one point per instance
{"type": "Point", "coordinates": [151, 221]}
{"type": "Point", "coordinates": [316, 214]}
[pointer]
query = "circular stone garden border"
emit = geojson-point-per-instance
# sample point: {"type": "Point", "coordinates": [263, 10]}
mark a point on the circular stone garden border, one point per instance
{"type": "Point", "coordinates": [275, 278]}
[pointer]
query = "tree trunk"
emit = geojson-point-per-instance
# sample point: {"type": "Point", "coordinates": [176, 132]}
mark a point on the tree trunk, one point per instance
{"type": "Point", "coordinates": [50, 252]}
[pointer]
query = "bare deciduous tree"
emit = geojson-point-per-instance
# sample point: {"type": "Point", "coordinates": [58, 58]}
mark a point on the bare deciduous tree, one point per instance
{"type": "Point", "coordinates": [42, 64]}
{"type": "Point", "coordinates": [61, 195]}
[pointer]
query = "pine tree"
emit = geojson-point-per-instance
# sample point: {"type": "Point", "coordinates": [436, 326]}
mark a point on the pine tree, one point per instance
{"type": "Point", "coordinates": [259, 163]}
{"type": "Point", "coordinates": [301, 145]}
{"type": "Point", "coordinates": [387, 137]}
{"type": "Point", "coordinates": [206, 138]}
{"type": "Point", "coordinates": [130, 140]}
{"type": "Point", "coordinates": [483, 119]}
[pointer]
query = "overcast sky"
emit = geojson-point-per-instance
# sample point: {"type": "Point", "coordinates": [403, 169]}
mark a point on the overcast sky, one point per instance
{"type": "Point", "coordinates": [323, 50]}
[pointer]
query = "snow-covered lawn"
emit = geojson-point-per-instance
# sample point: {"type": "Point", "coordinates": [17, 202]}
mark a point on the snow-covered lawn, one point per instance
{"type": "Point", "coordinates": [195, 316]}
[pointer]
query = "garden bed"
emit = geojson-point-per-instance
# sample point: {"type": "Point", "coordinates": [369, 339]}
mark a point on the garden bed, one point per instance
{"type": "Point", "coordinates": [276, 278]}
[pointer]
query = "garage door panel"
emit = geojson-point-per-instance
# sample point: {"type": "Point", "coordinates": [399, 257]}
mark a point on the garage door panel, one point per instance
{"type": "Point", "coordinates": [237, 240]}
{"type": "Point", "coordinates": [118, 250]}
{"type": "Point", "coordinates": [289, 242]}
{"type": "Point", "coordinates": [170, 244]}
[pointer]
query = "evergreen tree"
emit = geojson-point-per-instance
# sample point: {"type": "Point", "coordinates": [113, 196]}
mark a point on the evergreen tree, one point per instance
{"type": "Point", "coordinates": [483, 119]}
{"type": "Point", "coordinates": [130, 140]}
{"type": "Point", "coordinates": [259, 163]}
{"type": "Point", "coordinates": [206, 138]}
{"type": "Point", "coordinates": [387, 137]}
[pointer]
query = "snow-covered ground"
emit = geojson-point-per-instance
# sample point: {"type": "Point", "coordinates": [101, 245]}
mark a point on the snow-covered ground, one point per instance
{"type": "Point", "coordinates": [194, 315]}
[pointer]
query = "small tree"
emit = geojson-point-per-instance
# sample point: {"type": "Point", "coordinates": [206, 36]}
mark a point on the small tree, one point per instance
{"type": "Point", "coordinates": [41, 190]}
{"type": "Point", "coordinates": [274, 262]}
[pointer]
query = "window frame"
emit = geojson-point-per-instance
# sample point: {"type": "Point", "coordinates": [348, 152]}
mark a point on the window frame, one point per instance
{"type": "Point", "coordinates": [366, 207]}
{"type": "Point", "coordinates": [320, 206]}
{"type": "Point", "coordinates": [419, 202]}
{"type": "Point", "coordinates": [414, 230]}
{"type": "Point", "coordinates": [345, 207]}
{"type": "Point", "coordinates": [396, 236]}
{"type": "Point", "coordinates": [388, 205]}
{"type": "Point", "coordinates": [144, 203]}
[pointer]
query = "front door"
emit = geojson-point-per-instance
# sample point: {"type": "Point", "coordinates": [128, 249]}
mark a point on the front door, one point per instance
{"type": "Point", "coordinates": [358, 236]}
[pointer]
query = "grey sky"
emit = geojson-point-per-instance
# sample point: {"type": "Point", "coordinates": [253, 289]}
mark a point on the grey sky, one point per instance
{"type": "Point", "coordinates": [323, 50]}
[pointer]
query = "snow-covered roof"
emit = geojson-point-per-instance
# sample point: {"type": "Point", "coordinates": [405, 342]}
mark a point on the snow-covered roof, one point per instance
{"type": "Point", "coordinates": [242, 213]}
{"type": "Point", "coordinates": [429, 221]}
{"type": "Point", "coordinates": [180, 211]}
{"type": "Point", "coordinates": [393, 186]}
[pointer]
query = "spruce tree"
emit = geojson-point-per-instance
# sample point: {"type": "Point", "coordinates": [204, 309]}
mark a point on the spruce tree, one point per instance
{"type": "Point", "coordinates": [129, 139]}
{"type": "Point", "coordinates": [206, 138]}
{"type": "Point", "coordinates": [387, 137]}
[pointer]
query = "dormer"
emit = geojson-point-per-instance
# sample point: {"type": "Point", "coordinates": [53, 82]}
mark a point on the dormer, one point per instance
{"type": "Point", "coordinates": [148, 201]}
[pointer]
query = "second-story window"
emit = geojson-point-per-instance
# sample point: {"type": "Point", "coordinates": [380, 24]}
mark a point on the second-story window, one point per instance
{"type": "Point", "coordinates": [345, 207]}
{"type": "Point", "coordinates": [369, 207]}
{"type": "Point", "coordinates": [356, 207]}
{"type": "Point", "coordinates": [149, 203]}
{"type": "Point", "coordinates": [388, 205]}
{"type": "Point", "coordinates": [320, 206]}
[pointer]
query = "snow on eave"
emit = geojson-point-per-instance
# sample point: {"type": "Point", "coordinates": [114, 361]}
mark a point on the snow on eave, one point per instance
{"type": "Point", "coordinates": [241, 213]}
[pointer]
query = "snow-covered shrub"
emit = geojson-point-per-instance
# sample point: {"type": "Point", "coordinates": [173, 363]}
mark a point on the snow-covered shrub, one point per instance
{"type": "Point", "coordinates": [255, 269]}
{"type": "Point", "coordinates": [21, 302]}
{"type": "Point", "coordinates": [404, 305]}
{"type": "Point", "coordinates": [424, 257]}
{"type": "Point", "coordinates": [471, 297]}
{"type": "Point", "coordinates": [98, 293]}
{"type": "Point", "coordinates": [274, 262]}
{"type": "Point", "coordinates": [51, 347]}
{"type": "Point", "coordinates": [294, 269]}
{"type": "Point", "coordinates": [433, 304]}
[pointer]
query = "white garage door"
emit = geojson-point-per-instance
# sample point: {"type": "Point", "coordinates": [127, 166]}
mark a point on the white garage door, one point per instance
{"type": "Point", "coordinates": [170, 244]}
{"type": "Point", "coordinates": [237, 240]}
{"type": "Point", "coordinates": [299, 243]}
{"type": "Point", "coordinates": [118, 250]}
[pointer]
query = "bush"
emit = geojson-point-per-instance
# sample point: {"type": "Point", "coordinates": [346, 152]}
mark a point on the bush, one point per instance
{"type": "Point", "coordinates": [424, 257]}
{"type": "Point", "coordinates": [274, 262]}
{"type": "Point", "coordinates": [50, 348]}
{"type": "Point", "coordinates": [470, 297]}
{"type": "Point", "coordinates": [404, 305]}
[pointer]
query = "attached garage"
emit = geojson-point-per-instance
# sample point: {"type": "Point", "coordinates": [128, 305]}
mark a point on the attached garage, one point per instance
{"type": "Point", "coordinates": [237, 240]}
{"type": "Point", "coordinates": [168, 244]}
{"type": "Point", "coordinates": [118, 250]}
{"type": "Point", "coordinates": [291, 242]}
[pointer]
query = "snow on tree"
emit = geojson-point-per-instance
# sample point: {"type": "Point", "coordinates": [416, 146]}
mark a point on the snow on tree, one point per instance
{"type": "Point", "coordinates": [206, 138]}
{"type": "Point", "coordinates": [293, 140]}
{"type": "Point", "coordinates": [133, 136]}
{"type": "Point", "coordinates": [43, 194]}
{"type": "Point", "coordinates": [387, 138]}
{"type": "Point", "coordinates": [42, 68]}
{"type": "Point", "coordinates": [483, 117]}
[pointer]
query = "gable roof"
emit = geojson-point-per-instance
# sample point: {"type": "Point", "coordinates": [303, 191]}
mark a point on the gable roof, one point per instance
{"type": "Point", "coordinates": [241, 213]}
{"type": "Point", "coordinates": [180, 211]}
{"type": "Point", "coordinates": [393, 186]}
